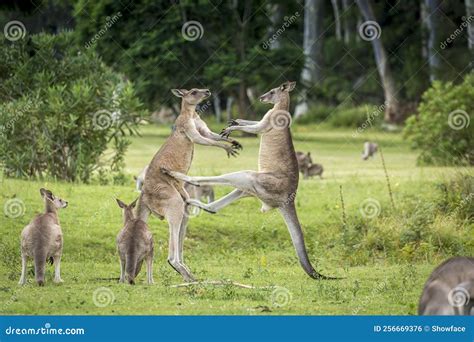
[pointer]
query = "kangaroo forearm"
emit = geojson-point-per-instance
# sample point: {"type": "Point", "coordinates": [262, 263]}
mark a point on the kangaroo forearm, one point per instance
{"type": "Point", "coordinates": [242, 122]}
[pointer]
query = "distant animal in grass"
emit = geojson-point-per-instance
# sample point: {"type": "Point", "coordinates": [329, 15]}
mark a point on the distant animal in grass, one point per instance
{"type": "Point", "coordinates": [304, 160]}
{"type": "Point", "coordinates": [135, 245]}
{"type": "Point", "coordinates": [42, 239]}
{"type": "Point", "coordinates": [370, 149]}
{"type": "Point", "coordinates": [450, 289]}
{"type": "Point", "coordinates": [313, 170]}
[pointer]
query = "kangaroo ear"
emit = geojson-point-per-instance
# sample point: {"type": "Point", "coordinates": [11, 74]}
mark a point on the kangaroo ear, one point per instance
{"type": "Point", "coordinates": [288, 86]}
{"type": "Point", "coordinates": [46, 193]}
{"type": "Point", "coordinates": [134, 203]}
{"type": "Point", "coordinates": [120, 203]}
{"type": "Point", "coordinates": [179, 92]}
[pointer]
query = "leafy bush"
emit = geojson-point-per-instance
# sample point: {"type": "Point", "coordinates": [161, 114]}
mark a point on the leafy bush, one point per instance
{"type": "Point", "coordinates": [442, 128]}
{"type": "Point", "coordinates": [61, 108]}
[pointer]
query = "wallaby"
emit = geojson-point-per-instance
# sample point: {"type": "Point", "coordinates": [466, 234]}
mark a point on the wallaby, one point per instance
{"type": "Point", "coordinates": [165, 196]}
{"type": "Point", "coordinates": [369, 150]}
{"type": "Point", "coordinates": [304, 160]}
{"type": "Point", "coordinates": [196, 192]}
{"type": "Point", "coordinates": [134, 244]}
{"type": "Point", "coordinates": [42, 239]}
{"type": "Point", "coordinates": [276, 182]}
{"type": "Point", "coordinates": [450, 289]}
{"type": "Point", "coordinates": [313, 170]}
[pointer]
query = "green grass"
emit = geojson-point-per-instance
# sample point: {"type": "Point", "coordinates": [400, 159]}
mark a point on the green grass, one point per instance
{"type": "Point", "coordinates": [384, 261]}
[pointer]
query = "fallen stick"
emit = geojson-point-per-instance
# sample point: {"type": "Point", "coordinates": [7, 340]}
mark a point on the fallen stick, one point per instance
{"type": "Point", "coordinates": [221, 283]}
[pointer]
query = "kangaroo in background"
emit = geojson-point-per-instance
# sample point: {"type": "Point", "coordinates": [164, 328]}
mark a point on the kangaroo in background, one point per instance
{"type": "Point", "coordinates": [165, 196]}
{"type": "Point", "coordinates": [450, 289]}
{"type": "Point", "coordinates": [276, 182]}
{"type": "Point", "coordinates": [42, 239]}
{"type": "Point", "coordinates": [304, 159]}
{"type": "Point", "coordinates": [313, 170]}
{"type": "Point", "coordinates": [134, 244]}
{"type": "Point", "coordinates": [370, 149]}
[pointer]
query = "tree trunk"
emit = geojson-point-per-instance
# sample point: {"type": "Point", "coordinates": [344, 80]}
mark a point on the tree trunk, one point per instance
{"type": "Point", "coordinates": [217, 107]}
{"type": "Point", "coordinates": [392, 105]}
{"type": "Point", "coordinates": [346, 21]}
{"type": "Point", "coordinates": [275, 15]}
{"type": "Point", "coordinates": [470, 24]}
{"type": "Point", "coordinates": [431, 24]}
{"type": "Point", "coordinates": [228, 108]}
{"type": "Point", "coordinates": [424, 33]}
{"type": "Point", "coordinates": [337, 19]}
{"type": "Point", "coordinates": [312, 46]}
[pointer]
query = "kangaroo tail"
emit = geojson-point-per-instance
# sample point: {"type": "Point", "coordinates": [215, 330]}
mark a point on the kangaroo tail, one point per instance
{"type": "Point", "coordinates": [130, 268]}
{"type": "Point", "coordinates": [40, 265]}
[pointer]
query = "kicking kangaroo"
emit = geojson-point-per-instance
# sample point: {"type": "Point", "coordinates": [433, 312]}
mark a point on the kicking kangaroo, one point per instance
{"type": "Point", "coordinates": [165, 196]}
{"type": "Point", "coordinates": [134, 244]}
{"type": "Point", "coordinates": [450, 289]}
{"type": "Point", "coordinates": [370, 149]}
{"type": "Point", "coordinates": [43, 239]}
{"type": "Point", "coordinates": [276, 182]}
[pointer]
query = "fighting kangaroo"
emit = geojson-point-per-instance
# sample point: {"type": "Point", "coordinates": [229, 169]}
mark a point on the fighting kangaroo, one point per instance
{"type": "Point", "coordinates": [276, 182]}
{"type": "Point", "coordinates": [450, 289]}
{"type": "Point", "coordinates": [134, 244]}
{"type": "Point", "coordinates": [165, 196]}
{"type": "Point", "coordinates": [42, 239]}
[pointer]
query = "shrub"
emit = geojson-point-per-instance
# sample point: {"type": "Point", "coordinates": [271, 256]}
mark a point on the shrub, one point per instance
{"type": "Point", "coordinates": [442, 129]}
{"type": "Point", "coordinates": [61, 108]}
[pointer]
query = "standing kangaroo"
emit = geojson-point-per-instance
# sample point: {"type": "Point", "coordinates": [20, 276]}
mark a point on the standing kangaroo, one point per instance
{"type": "Point", "coordinates": [165, 196]}
{"type": "Point", "coordinates": [42, 239]}
{"type": "Point", "coordinates": [134, 244]}
{"type": "Point", "coordinates": [450, 289]}
{"type": "Point", "coordinates": [276, 182]}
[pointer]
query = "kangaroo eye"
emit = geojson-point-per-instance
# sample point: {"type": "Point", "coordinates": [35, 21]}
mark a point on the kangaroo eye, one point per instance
{"type": "Point", "coordinates": [194, 92]}
{"type": "Point", "coordinates": [272, 92]}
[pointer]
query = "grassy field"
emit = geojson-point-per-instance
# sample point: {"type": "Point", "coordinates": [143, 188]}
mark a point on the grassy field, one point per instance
{"type": "Point", "coordinates": [384, 260]}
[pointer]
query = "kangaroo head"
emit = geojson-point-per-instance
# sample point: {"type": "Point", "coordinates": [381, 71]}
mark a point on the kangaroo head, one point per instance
{"type": "Point", "coordinates": [127, 209]}
{"type": "Point", "coordinates": [193, 96]}
{"type": "Point", "coordinates": [51, 201]}
{"type": "Point", "coordinates": [277, 94]}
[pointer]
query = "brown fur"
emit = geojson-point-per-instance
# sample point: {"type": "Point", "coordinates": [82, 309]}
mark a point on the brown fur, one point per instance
{"type": "Point", "coordinates": [42, 239]}
{"type": "Point", "coordinates": [313, 170]}
{"type": "Point", "coordinates": [453, 275]}
{"type": "Point", "coordinates": [165, 196]}
{"type": "Point", "coordinates": [276, 181]}
{"type": "Point", "coordinates": [135, 245]}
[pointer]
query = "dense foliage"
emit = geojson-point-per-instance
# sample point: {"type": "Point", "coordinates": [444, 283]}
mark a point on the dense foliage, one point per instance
{"type": "Point", "coordinates": [443, 130]}
{"type": "Point", "coordinates": [61, 108]}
